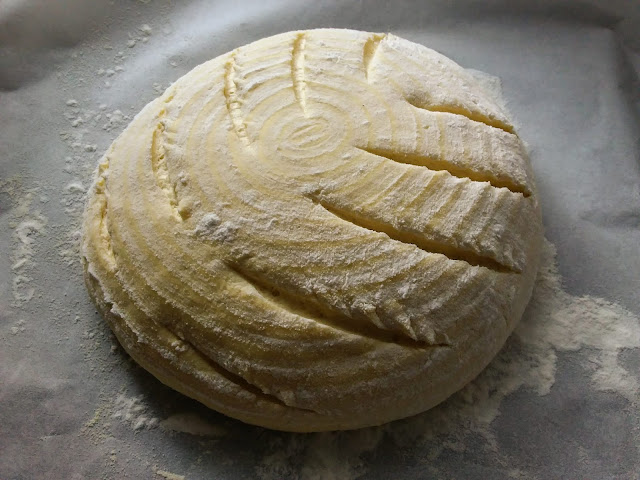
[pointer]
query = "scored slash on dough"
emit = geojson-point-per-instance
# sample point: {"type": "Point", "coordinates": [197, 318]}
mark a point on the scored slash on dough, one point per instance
{"type": "Point", "coordinates": [308, 308]}
{"type": "Point", "coordinates": [473, 116]}
{"type": "Point", "coordinates": [423, 243]}
{"type": "Point", "coordinates": [437, 164]}
{"type": "Point", "coordinates": [369, 52]}
{"type": "Point", "coordinates": [159, 167]}
{"type": "Point", "coordinates": [232, 377]}
{"type": "Point", "coordinates": [297, 71]}
{"type": "Point", "coordinates": [233, 102]}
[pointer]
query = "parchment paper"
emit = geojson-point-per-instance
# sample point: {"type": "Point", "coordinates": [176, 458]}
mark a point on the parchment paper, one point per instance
{"type": "Point", "coordinates": [73, 405]}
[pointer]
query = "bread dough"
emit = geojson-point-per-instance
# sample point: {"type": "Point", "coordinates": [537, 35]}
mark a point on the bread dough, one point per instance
{"type": "Point", "coordinates": [324, 229]}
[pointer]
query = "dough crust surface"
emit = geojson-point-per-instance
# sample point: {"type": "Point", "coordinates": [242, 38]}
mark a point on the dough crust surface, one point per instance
{"type": "Point", "coordinates": [324, 229]}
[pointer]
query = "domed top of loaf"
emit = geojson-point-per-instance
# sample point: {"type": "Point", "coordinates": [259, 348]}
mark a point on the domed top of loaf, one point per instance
{"type": "Point", "coordinates": [324, 229]}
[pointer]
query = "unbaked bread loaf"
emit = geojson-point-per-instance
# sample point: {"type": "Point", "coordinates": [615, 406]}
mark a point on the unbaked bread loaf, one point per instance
{"type": "Point", "coordinates": [321, 230]}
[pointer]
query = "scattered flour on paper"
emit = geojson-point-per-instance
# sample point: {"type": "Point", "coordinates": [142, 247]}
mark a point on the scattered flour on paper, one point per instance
{"type": "Point", "coordinates": [133, 412]}
{"type": "Point", "coordinates": [24, 250]}
{"type": "Point", "coordinates": [554, 321]}
{"type": "Point", "coordinates": [18, 327]}
{"type": "Point", "coordinates": [28, 225]}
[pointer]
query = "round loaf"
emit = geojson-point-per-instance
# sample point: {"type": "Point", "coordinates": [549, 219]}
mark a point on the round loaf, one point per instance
{"type": "Point", "coordinates": [324, 229]}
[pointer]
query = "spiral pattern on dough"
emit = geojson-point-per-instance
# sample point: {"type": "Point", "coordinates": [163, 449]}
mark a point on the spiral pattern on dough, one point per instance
{"type": "Point", "coordinates": [321, 230]}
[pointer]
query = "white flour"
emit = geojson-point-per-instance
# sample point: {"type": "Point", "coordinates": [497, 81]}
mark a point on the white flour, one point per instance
{"type": "Point", "coordinates": [134, 412]}
{"type": "Point", "coordinates": [28, 224]}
